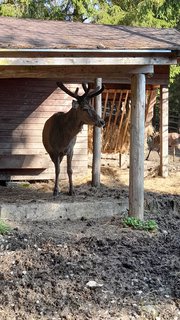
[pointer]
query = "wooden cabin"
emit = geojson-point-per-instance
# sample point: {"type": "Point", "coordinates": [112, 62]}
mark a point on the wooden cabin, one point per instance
{"type": "Point", "coordinates": [25, 105]}
{"type": "Point", "coordinates": [34, 54]}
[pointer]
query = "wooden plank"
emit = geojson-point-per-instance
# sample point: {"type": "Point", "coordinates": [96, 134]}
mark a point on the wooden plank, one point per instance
{"type": "Point", "coordinates": [32, 142]}
{"type": "Point", "coordinates": [164, 112]}
{"type": "Point", "coordinates": [60, 71]}
{"type": "Point", "coordinates": [23, 162]}
{"type": "Point", "coordinates": [83, 75]}
{"type": "Point", "coordinates": [40, 151]}
{"type": "Point", "coordinates": [4, 113]}
{"type": "Point", "coordinates": [27, 132]}
{"type": "Point", "coordinates": [108, 137]}
{"type": "Point", "coordinates": [26, 145]}
{"type": "Point", "coordinates": [105, 102]}
{"type": "Point", "coordinates": [85, 61]}
{"type": "Point", "coordinates": [21, 121]}
{"type": "Point", "coordinates": [21, 126]}
{"type": "Point", "coordinates": [121, 120]}
{"type": "Point", "coordinates": [37, 176]}
{"type": "Point", "coordinates": [51, 107]}
{"type": "Point", "coordinates": [126, 127]}
{"type": "Point", "coordinates": [16, 133]}
{"type": "Point", "coordinates": [112, 108]}
{"type": "Point", "coordinates": [10, 122]}
{"type": "Point", "coordinates": [20, 151]}
{"type": "Point", "coordinates": [19, 139]}
{"type": "Point", "coordinates": [37, 99]}
{"type": "Point", "coordinates": [136, 176]}
{"type": "Point", "coordinates": [118, 109]}
{"type": "Point", "coordinates": [150, 106]}
{"type": "Point", "coordinates": [79, 169]}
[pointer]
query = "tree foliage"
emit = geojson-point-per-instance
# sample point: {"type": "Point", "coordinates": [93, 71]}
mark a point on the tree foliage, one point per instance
{"type": "Point", "coordinates": [174, 94]}
{"type": "Point", "coordinates": [154, 13]}
{"type": "Point", "coordinates": [26, 8]}
{"type": "Point", "coordinates": [72, 10]}
{"type": "Point", "coordinates": [78, 10]}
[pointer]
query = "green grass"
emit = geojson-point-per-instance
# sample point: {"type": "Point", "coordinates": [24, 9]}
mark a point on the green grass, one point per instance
{"type": "Point", "coordinates": [24, 184]}
{"type": "Point", "coordinates": [135, 223]}
{"type": "Point", "coordinates": [4, 228]}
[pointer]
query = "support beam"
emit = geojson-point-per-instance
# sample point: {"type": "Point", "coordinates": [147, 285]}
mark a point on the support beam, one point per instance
{"type": "Point", "coordinates": [136, 176]}
{"type": "Point", "coordinates": [86, 61]}
{"type": "Point", "coordinates": [164, 110]}
{"type": "Point", "coordinates": [96, 165]}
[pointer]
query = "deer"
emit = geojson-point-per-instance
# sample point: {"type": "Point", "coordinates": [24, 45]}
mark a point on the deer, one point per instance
{"type": "Point", "coordinates": [154, 143]}
{"type": "Point", "coordinates": [60, 130]}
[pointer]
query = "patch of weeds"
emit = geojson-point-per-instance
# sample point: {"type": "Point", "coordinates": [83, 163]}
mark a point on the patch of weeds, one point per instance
{"type": "Point", "coordinates": [25, 185]}
{"type": "Point", "coordinates": [4, 228]}
{"type": "Point", "coordinates": [135, 223]}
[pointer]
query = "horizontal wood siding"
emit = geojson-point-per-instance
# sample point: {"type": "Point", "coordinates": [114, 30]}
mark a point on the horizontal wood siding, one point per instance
{"type": "Point", "coordinates": [25, 105]}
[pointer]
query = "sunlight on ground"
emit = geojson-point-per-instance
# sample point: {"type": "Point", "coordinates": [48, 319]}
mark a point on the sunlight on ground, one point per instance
{"type": "Point", "coordinates": [171, 184]}
{"type": "Point", "coordinates": [113, 175]}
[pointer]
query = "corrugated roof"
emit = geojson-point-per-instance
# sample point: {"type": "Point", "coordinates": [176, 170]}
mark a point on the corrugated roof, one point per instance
{"type": "Point", "coordinates": [45, 34]}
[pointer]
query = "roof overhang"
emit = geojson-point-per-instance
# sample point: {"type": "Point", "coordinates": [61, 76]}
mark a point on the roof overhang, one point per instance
{"type": "Point", "coordinates": [86, 57]}
{"type": "Point", "coordinates": [75, 65]}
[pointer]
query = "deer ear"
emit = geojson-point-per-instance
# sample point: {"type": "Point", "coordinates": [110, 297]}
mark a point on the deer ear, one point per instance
{"type": "Point", "coordinates": [75, 104]}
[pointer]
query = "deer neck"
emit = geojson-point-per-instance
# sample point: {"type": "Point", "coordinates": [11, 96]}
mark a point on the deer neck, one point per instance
{"type": "Point", "coordinates": [74, 122]}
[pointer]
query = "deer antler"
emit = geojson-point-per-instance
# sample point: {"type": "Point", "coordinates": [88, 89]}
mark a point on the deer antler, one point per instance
{"type": "Point", "coordinates": [86, 88]}
{"type": "Point", "coordinates": [95, 92]}
{"type": "Point", "coordinates": [87, 93]}
{"type": "Point", "coordinates": [69, 92]}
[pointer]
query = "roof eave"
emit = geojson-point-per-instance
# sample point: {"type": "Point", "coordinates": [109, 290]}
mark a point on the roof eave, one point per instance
{"type": "Point", "coordinates": [69, 50]}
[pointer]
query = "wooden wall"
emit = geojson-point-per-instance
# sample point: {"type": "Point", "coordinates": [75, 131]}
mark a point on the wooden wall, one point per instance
{"type": "Point", "coordinates": [25, 104]}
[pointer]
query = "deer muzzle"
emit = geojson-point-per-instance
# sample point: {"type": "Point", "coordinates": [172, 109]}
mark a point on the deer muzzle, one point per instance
{"type": "Point", "coordinates": [100, 123]}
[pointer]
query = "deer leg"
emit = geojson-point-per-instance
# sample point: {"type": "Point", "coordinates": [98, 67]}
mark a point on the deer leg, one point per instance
{"type": "Point", "coordinates": [174, 153]}
{"type": "Point", "coordinates": [70, 172]}
{"type": "Point", "coordinates": [148, 154]}
{"type": "Point", "coordinates": [57, 172]}
{"type": "Point", "coordinates": [56, 160]}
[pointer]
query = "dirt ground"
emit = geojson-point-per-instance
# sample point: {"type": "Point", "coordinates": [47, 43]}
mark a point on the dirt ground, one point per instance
{"type": "Point", "coordinates": [94, 269]}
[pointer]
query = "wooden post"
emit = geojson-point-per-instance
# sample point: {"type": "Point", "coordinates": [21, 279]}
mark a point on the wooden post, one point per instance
{"type": "Point", "coordinates": [164, 131]}
{"type": "Point", "coordinates": [120, 159]}
{"type": "Point", "coordinates": [136, 176]}
{"type": "Point", "coordinates": [96, 164]}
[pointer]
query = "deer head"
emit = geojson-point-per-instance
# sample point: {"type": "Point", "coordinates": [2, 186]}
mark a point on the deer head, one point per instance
{"type": "Point", "coordinates": [82, 103]}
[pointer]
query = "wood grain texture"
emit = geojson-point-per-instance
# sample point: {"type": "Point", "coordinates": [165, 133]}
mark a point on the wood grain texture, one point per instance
{"type": "Point", "coordinates": [25, 105]}
{"type": "Point", "coordinates": [136, 175]}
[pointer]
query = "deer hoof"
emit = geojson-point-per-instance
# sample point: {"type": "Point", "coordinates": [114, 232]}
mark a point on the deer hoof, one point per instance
{"type": "Point", "coordinates": [71, 192]}
{"type": "Point", "coordinates": [56, 193]}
